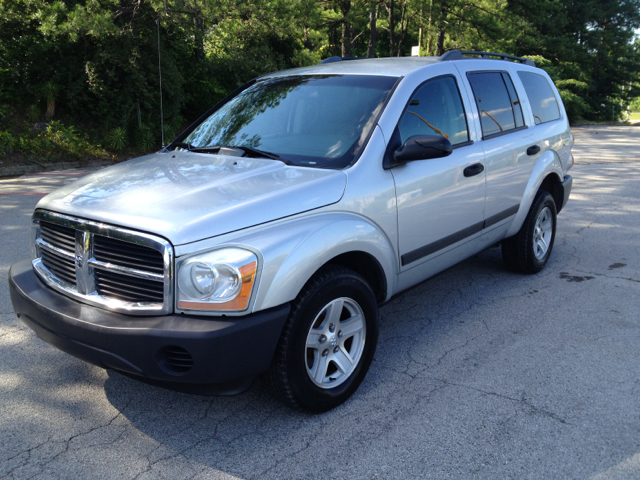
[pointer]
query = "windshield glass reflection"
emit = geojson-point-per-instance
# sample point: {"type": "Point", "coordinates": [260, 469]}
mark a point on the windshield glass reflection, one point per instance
{"type": "Point", "coordinates": [313, 120]}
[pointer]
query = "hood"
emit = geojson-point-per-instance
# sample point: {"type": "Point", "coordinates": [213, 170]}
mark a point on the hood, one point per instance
{"type": "Point", "coordinates": [186, 197]}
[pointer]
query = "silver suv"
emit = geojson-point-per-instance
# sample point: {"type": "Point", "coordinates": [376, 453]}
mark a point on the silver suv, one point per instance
{"type": "Point", "coordinates": [263, 240]}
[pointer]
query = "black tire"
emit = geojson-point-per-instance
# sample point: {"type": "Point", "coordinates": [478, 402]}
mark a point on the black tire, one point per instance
{"type": "Point", "coordinates": [518, 251]}
{"type": "Point", "coordinates": [288, 376]}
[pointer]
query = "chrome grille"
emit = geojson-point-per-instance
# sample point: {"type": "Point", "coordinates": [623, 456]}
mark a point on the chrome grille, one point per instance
{"type": "Point", "coordinates": [102, 265]}
{"type": "Point", "coordinates": [125, 254]}
{"type": "Point", "coordinates": [59, 236]}
{"type": "Point", "coordinates": [61, 266]}
{"type": "Point", "coordinates": [124, 287]}
{"type": "Point", "coordinates": [59, 257]}
{"type": "Point", "coordinates": [112, 252]}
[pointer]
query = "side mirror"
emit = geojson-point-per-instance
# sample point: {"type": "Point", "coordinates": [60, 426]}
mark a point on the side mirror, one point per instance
{"type": "Point", "coordinates": [422, 147]}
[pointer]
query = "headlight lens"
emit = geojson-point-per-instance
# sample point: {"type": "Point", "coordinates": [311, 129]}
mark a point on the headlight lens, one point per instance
{"type": "Point", "coordinates": [218, 280]}
{"type": "Point", "coordinates": [203, 278]}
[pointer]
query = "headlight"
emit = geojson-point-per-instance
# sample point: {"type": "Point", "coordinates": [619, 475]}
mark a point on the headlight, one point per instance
{"type": "Point", "coordinates": [220, 280]}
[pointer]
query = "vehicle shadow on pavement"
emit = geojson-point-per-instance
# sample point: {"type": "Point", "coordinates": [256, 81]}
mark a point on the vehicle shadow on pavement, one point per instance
{"type": "Point", "coordinates": [253, 435]}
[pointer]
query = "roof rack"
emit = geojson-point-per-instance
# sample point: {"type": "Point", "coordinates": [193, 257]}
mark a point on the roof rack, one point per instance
{"type": "Point", "coordinates": [340, 59]}
{"type": "Point", "coordinates": [460, 55]}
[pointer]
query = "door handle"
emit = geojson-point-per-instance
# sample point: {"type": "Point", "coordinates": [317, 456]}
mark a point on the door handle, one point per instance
{"type": "Point", "coordinates": [533, 150]}
{"type": "Point", "coordinates": [474, 169]}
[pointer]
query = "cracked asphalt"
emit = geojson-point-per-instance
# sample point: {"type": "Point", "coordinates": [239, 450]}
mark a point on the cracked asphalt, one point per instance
{"type": "Point", "coordinates": [479, 373]}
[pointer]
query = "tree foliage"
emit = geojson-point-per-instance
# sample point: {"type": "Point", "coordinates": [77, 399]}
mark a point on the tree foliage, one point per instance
{"type": "Point", "coordinates": [96, 61]}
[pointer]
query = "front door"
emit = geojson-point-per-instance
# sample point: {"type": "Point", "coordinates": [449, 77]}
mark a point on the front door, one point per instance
{"type": "Point", "coordinates": [440, 201]}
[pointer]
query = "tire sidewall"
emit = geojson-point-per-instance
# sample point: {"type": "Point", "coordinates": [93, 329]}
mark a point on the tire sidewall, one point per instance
{"type": "Point", "coordinates": [543, 200]}
{"type": "Point", "coordinates": [307, 393]}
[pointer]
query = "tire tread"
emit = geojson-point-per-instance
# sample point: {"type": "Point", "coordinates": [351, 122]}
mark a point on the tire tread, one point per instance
{"type": "Point", "coordinates": [276, 378]}
{"type": "Point", "coordinates": [517, 255]}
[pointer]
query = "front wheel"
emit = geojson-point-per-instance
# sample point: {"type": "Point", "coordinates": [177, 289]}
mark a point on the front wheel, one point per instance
{"type": "Point", "coordinates": [328, 342]}
{"type": "Point", "coordinates": [529, 250]}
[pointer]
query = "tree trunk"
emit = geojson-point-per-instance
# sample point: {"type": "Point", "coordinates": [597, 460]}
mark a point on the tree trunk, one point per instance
{"type": "Point", "coordinates": [403, 27]}
{"type": "Point", "coordinates": [345, 6]}
{"type": "Point", "coordinates": [440, 44]}
{"type": "Point", "coordinates": [392, 27]}
{"type": "Point", "coordinates": [420, 30]}
{"type": "Point", "coordinates": [333, 37]}
{"type": "Point", "coordinates": [441, 30]}
{"type": "Point", "coordinates": [51, 109]}
{"type": "Point", "coordinates": [373, 32]}
{"type": "Point", "coordinates": [429, 35]}
{"type": "Point", "coordinates": [199, 40]}
{"type": "Point", "coordinates": [307, 44]}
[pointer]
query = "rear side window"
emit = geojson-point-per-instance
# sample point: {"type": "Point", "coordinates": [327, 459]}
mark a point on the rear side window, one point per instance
{"type": "Point", "coordinates": [497, 102]}
{"type": "Point", "coordinates": [543, 102]}
{"type": "Point", "coordinates": [435, 109]}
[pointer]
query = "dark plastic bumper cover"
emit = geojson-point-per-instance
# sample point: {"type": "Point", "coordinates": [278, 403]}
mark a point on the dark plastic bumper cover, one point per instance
{"type": "Point", "coordinates": [224, 349]}
{"type": "Point", "coordinates": [567, 183]}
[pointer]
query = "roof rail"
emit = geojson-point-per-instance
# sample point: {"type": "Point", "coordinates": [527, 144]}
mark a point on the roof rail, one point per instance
{"type": "Point", "coordinates": [460, 55]}
{"type": "Point", "coordinates": [340, 59]}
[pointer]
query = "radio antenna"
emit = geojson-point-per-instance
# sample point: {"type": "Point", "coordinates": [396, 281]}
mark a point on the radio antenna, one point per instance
{"type": "Point", "coordinates": [160, 77]}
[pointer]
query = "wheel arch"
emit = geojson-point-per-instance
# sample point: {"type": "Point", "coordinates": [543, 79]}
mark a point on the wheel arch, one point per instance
{"type": "Point", "coordinates": [552, 183]}
{"type": "Point", "coordinates": [368, 267]}
{"type": "Point", "coordinates": [546, 175]}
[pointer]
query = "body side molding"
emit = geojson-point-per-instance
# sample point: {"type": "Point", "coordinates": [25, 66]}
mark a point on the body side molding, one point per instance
{"type": "Point", "coordinates": [445, 242]}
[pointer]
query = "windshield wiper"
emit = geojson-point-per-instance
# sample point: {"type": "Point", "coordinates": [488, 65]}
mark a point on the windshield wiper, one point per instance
{"type": "Point", "coordinates": [186, 146]}
{"type": "Point", "coordinates": [261, 153]}
{"type": "Point", "coordinates": [215, 148]}
{"type": "Point", "coordinates": [212, 148]}
{"type": "Point", "coordinates": [193, 148]}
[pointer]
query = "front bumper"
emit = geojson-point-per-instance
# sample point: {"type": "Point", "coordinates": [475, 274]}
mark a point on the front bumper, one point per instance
{"type": "Point", "coordinates": [225, 352]}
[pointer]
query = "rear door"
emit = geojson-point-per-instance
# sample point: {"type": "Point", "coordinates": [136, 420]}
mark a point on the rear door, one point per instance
{"type": "Point", "coordinates": [506, 141]}
{"type": "Point", "coordinates": [549, 124]}
{"type": "Point", "coordinates": [440, 201]}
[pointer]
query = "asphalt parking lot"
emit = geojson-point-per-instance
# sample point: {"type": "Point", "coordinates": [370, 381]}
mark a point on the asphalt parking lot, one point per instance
{"type": "Point", "coordinates": [479, 373]}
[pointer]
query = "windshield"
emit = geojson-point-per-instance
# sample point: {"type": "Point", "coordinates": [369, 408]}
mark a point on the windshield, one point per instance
{"type": "Point", "coordinates": [313, 120]}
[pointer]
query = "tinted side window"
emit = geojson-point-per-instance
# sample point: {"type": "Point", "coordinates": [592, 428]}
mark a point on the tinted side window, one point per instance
{"type": "Point", "coordinates": [543, 101]}
{"type": "Point", "coordinates": [494, 102]}
{"type": "Point", "coordinates": [435, 109]}
{"type": "Point", "coordinates": [515, 101]}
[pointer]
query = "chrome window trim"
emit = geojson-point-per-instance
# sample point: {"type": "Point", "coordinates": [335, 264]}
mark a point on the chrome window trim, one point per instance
{"type": "Point", "coordinates": [84, 290]}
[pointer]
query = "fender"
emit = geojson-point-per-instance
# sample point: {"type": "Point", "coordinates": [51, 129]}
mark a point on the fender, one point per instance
{"type": "Point", "coordinates": [548, 163]}
{"type": "Point", "coordinates": [291, 251]}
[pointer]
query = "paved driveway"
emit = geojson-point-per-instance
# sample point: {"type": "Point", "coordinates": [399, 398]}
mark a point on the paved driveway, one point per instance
{"type": "Point", "coordinates": [480, 373]}
{"type": "Point", "coordinates": [607, 144]}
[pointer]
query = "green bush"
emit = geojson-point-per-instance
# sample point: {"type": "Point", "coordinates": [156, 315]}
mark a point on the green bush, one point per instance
{"type": "Point", "coordinates": [56, 143]}
{"type": "Point", "coordinates": [117, 139]}
{"type": "Point", "coordinates": [33, 113]}
{"type": "Point", "coordinates": [7, 142]}
{"type": "Point", "coordinates": [171, 129]}
{"type": "Point", "coordinates": [145, 138]}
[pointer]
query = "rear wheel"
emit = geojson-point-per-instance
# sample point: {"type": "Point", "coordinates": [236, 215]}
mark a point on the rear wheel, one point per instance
{"type": "Point", "coordinates": [328, 342]}
{"type": "Point", "coordinates": [529, 250]}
